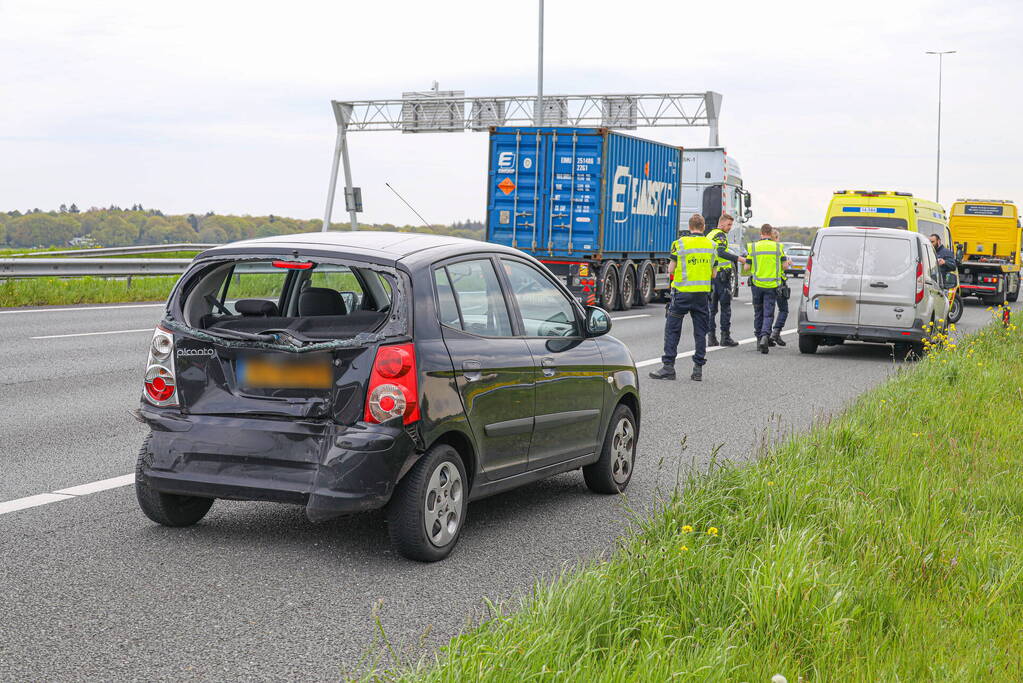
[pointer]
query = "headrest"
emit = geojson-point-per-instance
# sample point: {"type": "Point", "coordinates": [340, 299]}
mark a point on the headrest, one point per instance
{"type": "Point", "coordinates": [255, 307]}
{"type": "Point", "coordinates": [321, 301]}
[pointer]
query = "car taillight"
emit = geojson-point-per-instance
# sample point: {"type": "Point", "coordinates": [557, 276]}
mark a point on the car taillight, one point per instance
{"type": "Point", "coordinates": [393, 386]}
{"type": "Point", "coordinates": [806, 276]}
{"type": "Point", "coordinates": [160, 384]}
{"type": "Point", "coordinates": [919, 281]}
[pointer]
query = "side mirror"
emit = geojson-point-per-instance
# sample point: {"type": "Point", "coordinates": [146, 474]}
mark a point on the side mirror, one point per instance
{"type": "Point", "coordinates": [949, 280]}
{"type": "Point", "coordinates": [598, 321]}
{"type": "Point", "coordinates": [749, 214]}
{"type": "Point", "coordinates": [749, 200]}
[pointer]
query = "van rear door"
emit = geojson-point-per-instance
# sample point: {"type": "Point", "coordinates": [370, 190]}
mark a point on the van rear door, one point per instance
{"type": "Point", "coordinates": [836, 278]}
{"type": "Point", "coordinates": [888, 291]}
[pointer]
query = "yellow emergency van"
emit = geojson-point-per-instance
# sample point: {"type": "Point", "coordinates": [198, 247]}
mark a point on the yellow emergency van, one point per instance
{"type": "Point", "coordinates": [887, 209]}
{"type": "Point", "coordinates": [987, 234]}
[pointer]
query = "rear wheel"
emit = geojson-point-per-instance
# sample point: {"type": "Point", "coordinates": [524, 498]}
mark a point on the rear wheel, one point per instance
{"type": "Point", "coordinates": [955, 310]}
{"type": "Point", "coordinates": [427, 511]}
{"type": "Point", "coordinates": [646, 280]}
{"type": "Point", "coordinates": [613, 471]}
{"type": "Point", "coordinates": [607, 281]}
{"type": "Point", "coordinates": [808, 343]}
{"type": "Point", "coordinates": [1014, 281]}
{"type": "Point", "coordinates": [628, 287]}
{"type": "Point", "coordinates": [909, 351]}
{"type": "Point", "coordinates": [165, 508]}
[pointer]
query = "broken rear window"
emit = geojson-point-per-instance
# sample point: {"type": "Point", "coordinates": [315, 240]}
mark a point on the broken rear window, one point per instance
{"type": "Point", "coordinates": [308, 301]}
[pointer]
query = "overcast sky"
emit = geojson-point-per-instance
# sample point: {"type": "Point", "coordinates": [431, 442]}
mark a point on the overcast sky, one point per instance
{"type": "Point", "coordinates": [197, 106]}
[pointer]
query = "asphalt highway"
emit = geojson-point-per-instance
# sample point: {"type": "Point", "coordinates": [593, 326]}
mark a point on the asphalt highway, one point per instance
{"type": "Point", "coordinates": [91, 589]}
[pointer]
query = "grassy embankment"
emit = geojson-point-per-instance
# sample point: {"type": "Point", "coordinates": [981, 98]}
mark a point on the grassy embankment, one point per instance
{"type": "Point", "coordinates": [886, 544]}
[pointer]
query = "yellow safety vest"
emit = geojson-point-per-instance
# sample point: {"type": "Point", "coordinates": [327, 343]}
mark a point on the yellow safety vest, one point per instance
{"type": "Point", "coordinates": [784, 275]}
{"type": "Point", "coordinates": [720, 238]}
{"type": "Point", "coordinates": [766, 256]}
{"type": "Point", "coordinates": [694, 264]}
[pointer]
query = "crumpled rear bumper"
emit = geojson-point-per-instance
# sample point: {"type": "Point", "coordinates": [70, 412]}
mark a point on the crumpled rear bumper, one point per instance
{"type": "Point", "coordinates": [328, 468]}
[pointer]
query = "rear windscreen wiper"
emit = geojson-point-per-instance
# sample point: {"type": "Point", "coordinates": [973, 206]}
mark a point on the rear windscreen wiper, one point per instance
{"type": "Point", "coordinates": [238, 334]}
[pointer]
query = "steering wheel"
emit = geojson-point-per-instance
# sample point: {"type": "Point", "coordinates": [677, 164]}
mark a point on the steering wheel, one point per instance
{"type": "Point", "coordinates": [213, 301]}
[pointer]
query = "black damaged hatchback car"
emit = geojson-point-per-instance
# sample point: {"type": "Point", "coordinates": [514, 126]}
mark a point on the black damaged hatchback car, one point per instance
{"type": "Point", "coordinates": [351, 371]}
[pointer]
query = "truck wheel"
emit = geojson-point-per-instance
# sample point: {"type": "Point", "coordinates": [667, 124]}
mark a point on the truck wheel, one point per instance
{"type": "Point", "coordinates": [607, 281]}
{"type": "Point", "coordinates": [627, 286]}
{"type": "Point", "coordinates": [1013, 293]}
{"type": "Point", "coordinates": [427, 511]}
{"type": "Point", "coordinates": [165, 508]}
{"type": "Point", "coordinates": [645, 292]}
{"type": "Point", "coordinates": [613, 471]}
{"type": "Point", "coordinates": [808, 343]}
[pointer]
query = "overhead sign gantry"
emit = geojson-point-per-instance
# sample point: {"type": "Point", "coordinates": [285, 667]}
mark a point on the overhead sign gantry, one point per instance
{"type": "Point", "coordinates": [438, 111]}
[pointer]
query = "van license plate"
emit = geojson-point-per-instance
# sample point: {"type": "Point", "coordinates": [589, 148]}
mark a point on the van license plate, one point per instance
{"type": "Point", "coordinates": [836, 304]}
{"type": "Point", "coordinates": [276, 372]}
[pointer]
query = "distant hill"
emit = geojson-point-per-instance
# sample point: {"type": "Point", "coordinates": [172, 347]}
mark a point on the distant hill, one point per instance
{"type": "Point", "coordinates": [117, 227]}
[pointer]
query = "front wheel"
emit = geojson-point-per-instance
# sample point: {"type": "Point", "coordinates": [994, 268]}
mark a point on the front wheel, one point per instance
{"type": "Point", "coordinates": [1014, 283]}
{"type": "Point", "coordinates": [808, 343]}
{"type": "Point", "coordinates": [613, 471]}
{"type": "Point", "coordinates": [427, 511]}
{"type": "Point", "coordinates": [167, 509]}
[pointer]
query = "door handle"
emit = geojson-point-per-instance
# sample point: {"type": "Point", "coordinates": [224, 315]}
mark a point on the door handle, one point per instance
{"type": "Point", "coordinates": [548, 365]}
{"type": "Point", "coordinates": [883, 285]}
{"type": "Point", "coordinates": [471, 370]}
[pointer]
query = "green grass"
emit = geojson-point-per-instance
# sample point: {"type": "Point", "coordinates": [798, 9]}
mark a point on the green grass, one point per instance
{"type": "Point", "coordinates": [884, 545]}
{"type": "Point", "coordinates": [50, 291]}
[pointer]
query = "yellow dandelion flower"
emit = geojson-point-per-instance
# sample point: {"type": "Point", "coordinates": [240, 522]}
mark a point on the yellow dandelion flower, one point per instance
{"type": "Point", "coordinates": [713, 531]}
{"type": "Point", "coordinates": [686, 529]}
{"type": "Point", "coordinates": [683, 549]}
{"type": "Point", "coordinates": [770, 483]}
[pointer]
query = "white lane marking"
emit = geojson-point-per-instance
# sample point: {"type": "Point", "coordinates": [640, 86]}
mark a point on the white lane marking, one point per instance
{"type": "Point", "coordinates": [687, 354]}
{"type": "Point", "coordinates": [82, 308]}
{"type": "Point", "coordinates": [101, 485]}
{"type": "Point", "coordinates": [30, 502]}
{"type": "Point", "coordinates": [91, 334]}
{"type": "Point", "coordinates": [627, 317]}
{"type": "Point", "coordinates": [65, 494]}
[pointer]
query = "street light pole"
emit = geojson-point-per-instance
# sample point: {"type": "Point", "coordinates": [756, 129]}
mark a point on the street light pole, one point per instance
{"type": "Point", "coordinates": [538, 114]}
{"type": "Point", "coordinates": [937, 173]}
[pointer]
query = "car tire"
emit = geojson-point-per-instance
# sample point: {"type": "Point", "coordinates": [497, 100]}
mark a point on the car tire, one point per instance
{"type": "Point", "coordinates": [955, 311]}
{"type": "Point", "coordinates": [808, 343]}
{"type": "Point", "coordinates": [427, 511]}
{"type": "Point", "coordinates": [607, 284]}
{"type": "Point", "coordinates": [645, 283]}
{"type": "Point", "coordinates": [627, 287]}
{"type": "Point", "coordinates": [613, 470]}
{"type": "Point", "coordinates": [167, 509]}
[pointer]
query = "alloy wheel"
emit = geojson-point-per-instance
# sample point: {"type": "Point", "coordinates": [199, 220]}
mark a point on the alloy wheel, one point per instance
{"type": "Point", "coordinates": [444, 503]}
{"type": "Point", "coordinates": [623, 443]}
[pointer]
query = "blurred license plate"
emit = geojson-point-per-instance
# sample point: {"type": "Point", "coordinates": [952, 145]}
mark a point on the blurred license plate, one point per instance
{"type": "Point", "coordinates": [796, 266]}
{"type": "Point", "coordinates": [274, 372]}
{"type": "Point", "coordinates": [836, 304]}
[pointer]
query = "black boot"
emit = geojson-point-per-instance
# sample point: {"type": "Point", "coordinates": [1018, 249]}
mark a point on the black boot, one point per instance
{"type": "Point", "coordinates": [712, 339]}
{"type": "Point", "coordinates": [664, 372]}
{"type": "Point", "coordinates": [697, 375]}
{"type": "Point", "coordinates": [726, 339]}
{"type": "Point", "coordinates": [776, 338]}
{"type": "Point", "coordinates": [762, 344]}
{"type": "Point", "coordinates": [770, 340]}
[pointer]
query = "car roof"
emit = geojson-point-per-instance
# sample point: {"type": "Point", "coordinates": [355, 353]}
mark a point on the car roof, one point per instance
{"type": "Point", "coordinates": [854, 230]}
{"type": "Point", "coordinates": [381, 247]}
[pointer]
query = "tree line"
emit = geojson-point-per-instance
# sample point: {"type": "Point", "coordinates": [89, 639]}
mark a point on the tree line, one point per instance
{"type": "Point", "coordinates": [120, 227]}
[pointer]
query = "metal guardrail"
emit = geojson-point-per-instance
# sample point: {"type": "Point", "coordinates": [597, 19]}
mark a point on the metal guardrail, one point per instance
{"type": "Point", "coordinates": [118, 251]}
{"type": "Point", "coordinates": [98, 267]}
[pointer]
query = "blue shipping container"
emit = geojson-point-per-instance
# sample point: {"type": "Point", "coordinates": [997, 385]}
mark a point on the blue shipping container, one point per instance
{"type": "Point", "coordinates": [582, 193]}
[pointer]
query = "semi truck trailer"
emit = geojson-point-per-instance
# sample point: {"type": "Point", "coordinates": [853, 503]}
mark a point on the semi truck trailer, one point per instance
{"type": "Point", "coordinates": [601, 209]}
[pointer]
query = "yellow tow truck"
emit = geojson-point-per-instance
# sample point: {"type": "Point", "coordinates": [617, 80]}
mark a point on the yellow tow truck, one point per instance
{"type": "Point", "coordinates": [987, 238]}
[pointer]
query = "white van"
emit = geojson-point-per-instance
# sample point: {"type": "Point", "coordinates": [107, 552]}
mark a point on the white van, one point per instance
{"type": "Point", "coordinates": [869, 284]}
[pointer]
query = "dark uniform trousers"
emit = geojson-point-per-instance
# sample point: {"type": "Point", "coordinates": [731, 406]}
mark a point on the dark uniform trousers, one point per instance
{"type": "Point", "coordinates": [721, 297]}
{"type": "Point", "coordinates": [782, 295]}
{"type": "Point", "coordinates": [764, 299]}
{"type": "Point", "coordinates": [698, 306]}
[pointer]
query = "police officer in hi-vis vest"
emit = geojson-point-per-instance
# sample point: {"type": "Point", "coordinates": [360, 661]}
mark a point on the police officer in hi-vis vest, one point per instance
{"type": "Point", "coordinates": [767, 263]}
{"type": "Point", "coordinates": [721, 288]}
{"type": "Point", "coordinates": [693, 270]}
